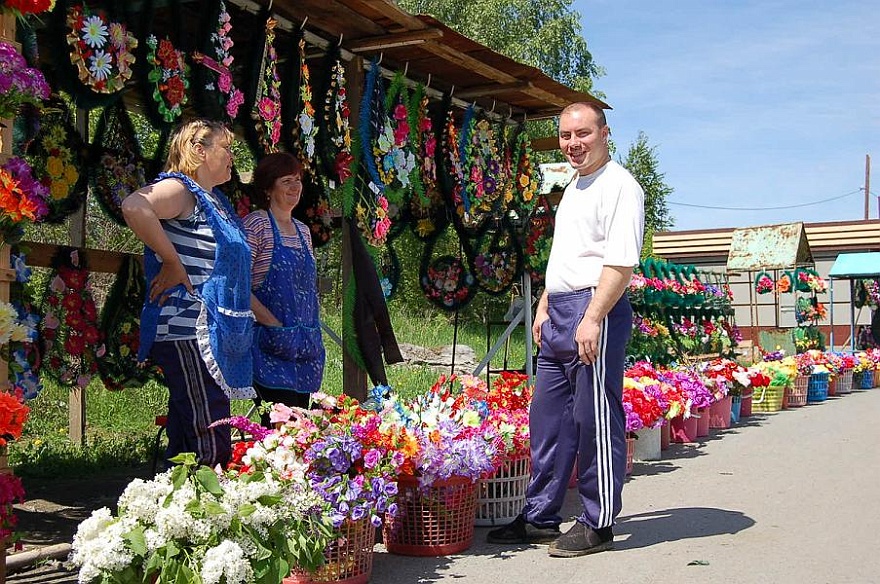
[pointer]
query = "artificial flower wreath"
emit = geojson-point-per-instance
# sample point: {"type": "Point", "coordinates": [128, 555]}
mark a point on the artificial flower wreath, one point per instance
{"type": "Point", "coordinates": [537, 242]}
{"type": "Point", "coordinates": [119, 169]}
{"type": "Point", "coordinates": [218, 59]}
{"type": "Point", "coordinates": [335, 135]}
{"type": "Point", "coordinates": [120, 322]}
{"type": "Point", "coordinates": [72, 340]}
{"type": "Point", "coordinates": [526, 177]}
{"type": "Point", "coordinates": [266, 107]}
{"type": "Point", "coordinates": [497, 260]}
{"type": "Point", "coordinates": [452, 179]}
{"type": "Point", "coordinates": [24, 352]}
{"type": "Point", "coordinates": [446, 281]}
{"type": "Point", "coordinates": [371, 208]}
{"type": "Point", "coordinates": [57, 156]}
{"type": "Point", "coordinates": [427, 209]}
{"type": "Point", "coordinates": [168, 77]}
{"type": "Point", "coordinates": [305, 130]}
{"type": "Point", "coordinates": [764, 283]}
{"type": "Point", "coordinates": [785, 283]}
{"type": "Point", "coordinates": [101, 49]}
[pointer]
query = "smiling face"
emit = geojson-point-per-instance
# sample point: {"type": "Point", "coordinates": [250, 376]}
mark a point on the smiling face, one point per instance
{"type": "Point", "coordinates": [583, 138]}
{"type": "Point", "coordinates": [285, 192]}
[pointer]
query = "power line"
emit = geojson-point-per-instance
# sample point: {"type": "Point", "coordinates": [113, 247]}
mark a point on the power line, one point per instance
{"type": "Point", "coordinates": [766, 208]}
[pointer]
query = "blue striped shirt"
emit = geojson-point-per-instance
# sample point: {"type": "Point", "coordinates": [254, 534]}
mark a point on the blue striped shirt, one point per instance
{"type": "Point", "coordinates": [194, 241]}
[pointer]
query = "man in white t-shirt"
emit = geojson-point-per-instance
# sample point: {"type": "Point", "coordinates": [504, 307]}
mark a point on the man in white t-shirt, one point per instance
{"type": "Point", "coordinates": [582, 325]}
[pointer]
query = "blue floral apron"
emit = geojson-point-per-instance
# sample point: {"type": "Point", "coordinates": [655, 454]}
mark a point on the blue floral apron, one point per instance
{"type": "Point", "coordinates": [289, 357]}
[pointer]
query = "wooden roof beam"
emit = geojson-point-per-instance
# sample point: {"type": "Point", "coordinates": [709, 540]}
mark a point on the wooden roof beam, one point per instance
{"type": "Point", "coordinates": [467, 62]}
{"type": "Point", "coordinates": [403, 39]}
{"type": "Point", "coordinates": [492, 89]}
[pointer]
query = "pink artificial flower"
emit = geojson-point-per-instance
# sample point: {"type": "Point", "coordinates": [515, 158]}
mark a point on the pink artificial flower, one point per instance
{"type": "Point", "coordinates": [268, 109]}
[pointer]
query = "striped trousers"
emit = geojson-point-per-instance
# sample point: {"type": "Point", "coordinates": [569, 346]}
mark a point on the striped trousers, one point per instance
{"type": "Point", "coordinates": [194, 402]}
{"type": "Point", "coordinates": [577, 412]}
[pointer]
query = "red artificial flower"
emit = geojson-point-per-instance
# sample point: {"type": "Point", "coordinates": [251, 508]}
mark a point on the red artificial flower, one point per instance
{"type": "Point", "coordinates": [74, 345]}
{"type": "Point", "coordinates": [167, 55]}
{"type": "Point", "coordinates": [174, 90]}
{"type": "Point", "coordinates": [72, 301]}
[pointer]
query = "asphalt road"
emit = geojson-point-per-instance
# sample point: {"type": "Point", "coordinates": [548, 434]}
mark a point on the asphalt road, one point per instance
{"type": "Point", "coordinates": [788, 497]}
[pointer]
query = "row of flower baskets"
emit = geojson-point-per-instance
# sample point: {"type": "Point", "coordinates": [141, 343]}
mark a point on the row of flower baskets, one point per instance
{"type": "Point", "coordinates": [287, 494]}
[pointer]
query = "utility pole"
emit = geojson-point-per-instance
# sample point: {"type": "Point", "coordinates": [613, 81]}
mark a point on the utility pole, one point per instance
{"type": "Point", "coordinates": [868, 182]}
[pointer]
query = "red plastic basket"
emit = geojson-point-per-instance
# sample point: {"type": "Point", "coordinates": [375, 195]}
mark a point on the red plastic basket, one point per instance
{"type": "Point", "coordinates": [433, 521]}
{"type": "Point", "coordinates": [347, 560]}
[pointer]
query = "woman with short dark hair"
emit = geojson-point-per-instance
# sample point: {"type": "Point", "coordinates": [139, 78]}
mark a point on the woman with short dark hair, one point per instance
{"type": "Point", "coordinates": [288, 349]}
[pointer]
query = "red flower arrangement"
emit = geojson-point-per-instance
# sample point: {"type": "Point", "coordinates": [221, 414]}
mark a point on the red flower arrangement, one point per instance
{"type": "Point", "coordinates": [13, 415]}
{"type": "Point", "coordinates": [11, 491]}
{"type": "Point", "coordinates": [24, 7]}
{"type": "Point", "coordinates": [72, 340]}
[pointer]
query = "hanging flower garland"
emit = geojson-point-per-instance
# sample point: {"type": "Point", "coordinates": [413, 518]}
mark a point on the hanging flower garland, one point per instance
{"type": "Point", "coordinates": [483, 183]}
{"type": "Point", "coordinates": [393, 149]}
{"type": "Point", "coordinates": [452, 160]}
{"type": "Point", "coordinates": [218, 59]}
{"type": "Point", "coordinates": [371, 209]}
{"type": "Point", "coordinates": [102, 50]}
{"type": "Point", "coordinates": [526, 177]}
{"type": "Point", "coordinates": [120, 322]}
{"type": "Point", "coordinates": [336, 133]}
{"type": "Point", "coordinates": [73, 343]}
{"type": "Point", "coordinates": [57, 157]}
{"type": "Point", "coordinates": [169, 77]}
{"type": "Point", "coordinates": [306, 129]}
{"type": "Point", "coordinates": [428, 213]}
{"type": "Point", "coordinates": [266, 112]}
{"type": "Point", "coordinates": [119, 168]}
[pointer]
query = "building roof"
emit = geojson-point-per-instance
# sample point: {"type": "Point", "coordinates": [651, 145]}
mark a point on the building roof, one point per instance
{"type": "Point", "coordinates": [427, 48]}
{"type": "Point", "coordinates": [768, 247]}
{"type": "Point", "coordinates": [827, 238]}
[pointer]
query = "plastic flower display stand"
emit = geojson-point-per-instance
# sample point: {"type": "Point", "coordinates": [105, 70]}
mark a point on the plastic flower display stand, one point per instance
{"type": "Point", "coordinates": [844, 382]}
{"type": "Point", "coordinates": [719, 413]}
{"type": "Point", "coordinates": [648, 444]}
{"type": "Point", "coordinates": [435, 521]}
{"type": "Point", "coordinates": [797, 397]}
{"type": "Point", "coordinates": [817, 388]}
{"type": "Point", "coordinates": [702, 417]}
{"type": "Point", "coordinates": [347, 560]}
{"type": "Point", "coordinates": [501, 497]}
{"type": "Point", "coordinates": [745, 408]}
{"type": "Point", "coordinates": [630, 450]}
{"type": "Point", "coordinates": [768, 399]}
{"type": "Point", "coordinates": [683, 431]}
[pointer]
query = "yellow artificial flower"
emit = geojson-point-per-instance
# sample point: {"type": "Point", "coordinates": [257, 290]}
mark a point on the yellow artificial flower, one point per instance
{"type": "Point", "coordinates": [59, 189]}
{"type": "Point", "coordinates": [55, 167]}
{"type": "Point", "coordinates": [71, 175]}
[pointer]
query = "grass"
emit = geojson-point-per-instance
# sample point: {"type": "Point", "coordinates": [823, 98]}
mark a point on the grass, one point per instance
{"type": "Point", "coordinates": [121, 425]}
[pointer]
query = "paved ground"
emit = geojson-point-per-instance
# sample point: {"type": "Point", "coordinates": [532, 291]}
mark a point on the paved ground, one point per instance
{"type": "Point", "coordinates": [788, 498]}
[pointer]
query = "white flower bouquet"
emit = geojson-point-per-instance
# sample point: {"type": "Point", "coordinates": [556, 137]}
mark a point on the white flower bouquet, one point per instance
{"type": "Point", "coordinates": [191, 524]}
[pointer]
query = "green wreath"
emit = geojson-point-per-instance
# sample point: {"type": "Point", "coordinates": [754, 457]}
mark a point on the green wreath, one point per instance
{"type": "Point", "coordinates": [764, 283]}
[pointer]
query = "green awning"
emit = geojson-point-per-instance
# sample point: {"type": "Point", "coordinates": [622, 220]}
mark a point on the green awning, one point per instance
{"type": "Point", "coordinates": [856, 265]}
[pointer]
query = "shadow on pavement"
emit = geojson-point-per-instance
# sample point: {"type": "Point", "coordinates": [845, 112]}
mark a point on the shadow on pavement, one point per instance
{"type": "Point", "coordinates": [646, 529]}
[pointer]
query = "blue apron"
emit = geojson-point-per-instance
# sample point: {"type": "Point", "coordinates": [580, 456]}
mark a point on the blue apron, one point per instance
{"type": "Point", "coordinates": [289, 357]}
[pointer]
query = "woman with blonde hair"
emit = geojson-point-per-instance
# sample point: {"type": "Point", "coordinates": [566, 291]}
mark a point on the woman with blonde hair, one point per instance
{"type": "Point", "coordinates": [196, 323]}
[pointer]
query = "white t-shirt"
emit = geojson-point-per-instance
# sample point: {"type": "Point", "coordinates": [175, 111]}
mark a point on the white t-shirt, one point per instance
{"type": "Point", "coordinates": [599, 222]}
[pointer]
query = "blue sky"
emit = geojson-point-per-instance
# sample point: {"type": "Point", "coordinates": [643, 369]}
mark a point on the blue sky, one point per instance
{"type": "Point", "coordinates": [750, 104]}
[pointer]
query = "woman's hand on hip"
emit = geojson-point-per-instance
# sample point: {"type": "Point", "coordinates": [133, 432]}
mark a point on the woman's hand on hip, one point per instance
{"type": "Point", "coordinates": [171, 274]}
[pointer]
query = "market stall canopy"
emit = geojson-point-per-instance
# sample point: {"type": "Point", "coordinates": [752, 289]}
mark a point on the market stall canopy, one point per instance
{"type": "Point", "coordinates": [855, 265]}
{"type": "Point", "coordinates": [428, 48]}
{"type": "Point", "coordinates": [769, 247]}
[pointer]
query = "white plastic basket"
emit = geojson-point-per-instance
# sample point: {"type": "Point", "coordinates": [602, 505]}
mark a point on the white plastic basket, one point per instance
{"type": "Point", "coordinates": [501, 497]}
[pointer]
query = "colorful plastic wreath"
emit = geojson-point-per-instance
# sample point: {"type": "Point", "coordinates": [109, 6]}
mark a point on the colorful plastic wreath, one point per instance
{"type": "Point", "coordinates": [336, 132]}
{"type": "Point", "coordinates": [446, 281]}
{"type": "Point", "coordinates": [266, 110]}
{"type": "Point", "coordinates": [169, 77]}
{"type": "Point", "coordinates": [427, 209]}
{"type": "Point", "coordinates": [73, 342]}
{"type": "Point", "coordinates": [218, 59]}
{"type": "Point", "coordinates": [764, 283]}
{"type": "Point", "coordinates": [102, 50]}
{"type": "Point", "coordinates": [497, 260]}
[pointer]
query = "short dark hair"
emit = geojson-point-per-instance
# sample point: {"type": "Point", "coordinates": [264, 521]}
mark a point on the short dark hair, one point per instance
{"type": "Point", "coordinates": [270, 169]}
{"type": "Point", "coordinates": [600, 113]}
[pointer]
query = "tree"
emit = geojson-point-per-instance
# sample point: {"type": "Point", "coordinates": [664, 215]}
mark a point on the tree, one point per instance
{"type": "Point", "coordinates": [642, 162]}
{"type": "Point", "coordinates": [542, 33]}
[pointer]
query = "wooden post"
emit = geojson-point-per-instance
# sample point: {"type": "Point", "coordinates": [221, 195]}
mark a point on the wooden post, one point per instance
{"type": "Point", "coordinates": [354, 380]}
{"type": "Point", "coordinates": [7, 275]}
{"type": "Point", "coordinates": [76, 421]}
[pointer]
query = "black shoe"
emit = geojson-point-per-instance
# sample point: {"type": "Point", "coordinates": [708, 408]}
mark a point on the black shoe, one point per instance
{"type": "Point", "coordinates": [519, 531]}
{"type": "Point", "coordinates": [581, 540]}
